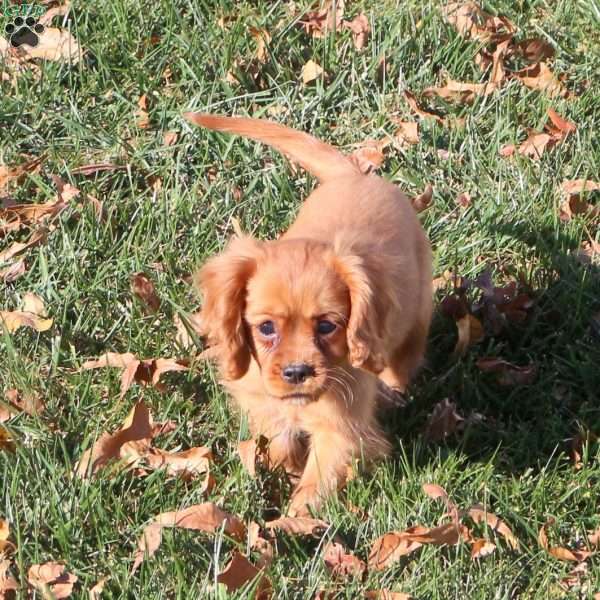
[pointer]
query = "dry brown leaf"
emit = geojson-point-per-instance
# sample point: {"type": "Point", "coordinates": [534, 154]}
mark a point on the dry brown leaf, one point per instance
{"type": "Point", "coordinates": [252, 452]}
{"type": "Point", "coordinates": [318, 23]}
{"type": "Point", "coordinates": [95, 593]}
{"type": "Point", "coordinates": [39, 236]}
{"type": "Point", "coordinates": [540, 77]}
{"type": "Point", "coordinates": [8, 584]}
{"type": "Point", "coordinates": [463, 200]}
{"type": "Point", "coordinates": [470, 20]}
{"type": "Point", "coordinates": [13, 272]}
{"type": "Point", "coordinates": [143, 118]}
{"type": "Point", "coordinates": [263, 39]}
{"type": "Point", "coordinates": [13, 320]}
{"type": "Point", "coordinates": [5, 546]}
{"type": "Point", "coordinates": [6, 440]}
{"type": "Point", "coordinates": [506, 373]}
{"type": "Point", "coordinates": [170, 138]}
{"type": "Point", "coordinates": [419, 111]}
{"type": "Point", "coordinates": [18, 173]}
{"type": "Point", "coordinates": [360, 28]}
{"type": "Point", "coordinates": [205, 517]}
{"type": "Point", "coordinates": [143, 288]}
{"type": "Point", "coordinates": [386, 595]}
{"type": "Point", "coordinates": [311, 71]}
{"type": "Point", "coordinates": [183, 327]}
{"type": "Point", "coordinates": [239, 572]}
{"type": "Point", "coordinates": [137, 426]}
{"type": "Point", "coordinates": [369, 157]}
{"type": "Point", "coordinates": [389, 548]}
{"type": "Point", "coordinates": [470, 332]}
{"type": "Point", "coordinates": [17, 402]}
{"type": "Point", "coordinates": [51, 580]}
{"type": "Point", "coordinates": [145, 372]}
{"type": "Point", "coordinates": [573, 203]}
{"type": "Point", "coordinates": [298, 526]}
{"type": "Point", "coordinates": [480, 515]}
{"type": "Point", "coordinates": [481, 548]}
{"type": "Point", "coordinates": [259, 544]}
{"type": "Point", "coordinates": [443, 421]}
{"type": "Point", "coordinates": [407, 133]}
{"type": "Point", "coordinates": [341, 563]}
{"type": "Point", "coordinates": [560, 552]}
{"type": "Point", "coordinates": [461, 92]}
{"type": "Point", "coordinates": [534, 49]}
{"type": "Point", "coordinates": [423, 200]}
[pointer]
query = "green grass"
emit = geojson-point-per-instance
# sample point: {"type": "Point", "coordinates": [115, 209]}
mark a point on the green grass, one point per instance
{"type": "Point", "coordinates": [515, 461]}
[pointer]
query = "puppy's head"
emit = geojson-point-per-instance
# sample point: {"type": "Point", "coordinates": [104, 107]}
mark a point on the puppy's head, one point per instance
{"type": "Point", "coordinates": [303, 310]}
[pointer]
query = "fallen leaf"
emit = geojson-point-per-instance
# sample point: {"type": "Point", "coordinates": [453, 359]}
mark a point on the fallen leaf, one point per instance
{"type": "Point", "coordinates": [143, 118]}
{"type": "Point", "coordinates": [260, 545]}
{"type": "Point", "coordinates": [534, 49]}
{"type": "Point", "coordinates": [341, 563]}
{"type": "Point", "coordinates": [39, 236]}
{"type": "Point", "coordinates": [407, 133]}
{"type": "Point", "coordinates": [145, 372]}
{"type": "Point", "coordinates": [311, 71]}
{"type": "Point", "coordinates": [470, 332]}
{"type": "Point", "coordinates": [51, 580]}
{"type": "Point", "coordinates": [573, 578]}
{"type": "Point", "coordinates": [263, 39]}
{"type": "Point", "coordinates": [13, 272]}
{"type": "Point", "coordinates": [8, 584]}
{"type": "Point", "coordinates": [299, 526]}
{"type": "Point", "coordinates": [189, 322]}
{"type": "Point", "coordinates": [360, 30]}
{"type": "Point", "coordinates": [95, 593]}
{"type": "Point", "coordinates": [560, 552]}
{"type": "Point", "coordinates": [170, 138]}
{"type": "Point", "coordinates": [17, 173]}
{"type": "Point", "coordinates": [318, 23]}
{"type": "Point", "coordinates": [470, 20]}
{"type": "Point", "coordinates": [389, 548]}
{"type": "Point", "coordinates": [5, 545]}
{"type": "Point", "coordinates": [17, 402]}
{"type": "Point", "coordinates": [94, 168]}
{"type": "Point", "coordinates": [506, 373]}
{"type": "Point", "coordinates": [540, 77]}
{"type": "Point", "coordinates": [137, 426]}
{"type": "Point", "coordinates": [369, 157]}
{"type": "Point", "coordinates": [480, 515]}
{"type": "Point", "coordinates": [386, 595]}
{"type": "Point", "coordinates": [419, 111]}
{"type": "Point", "coordinates": [574, 202]}
{"type": "Point", "coordinates": [443, 421]}
{"type": "Point", "coordinates": [559, 127]}
{"type": "Point", "coordinates": [594, 537]}
{"type": "Point", "coordinates": [206, 517]}
{"type": "Point", "coordinates": [13, 320]}
{"type": "Point", "coordinates": [253, 452]}
{"type": "Point", "coordinates": [143, 288]}
{"type": "Point", "coordinates": [464, 199]}
{"type": "Point", "coordinates": [6, 440]}
{"type": "Point", "coordinates": [423, 200]}
{"type": "Point", "coordinates": [461, 92]}
{"type": "Point", "coordinates": [239, 572]}
{"type": "Point", "coordinates": [481, 548]}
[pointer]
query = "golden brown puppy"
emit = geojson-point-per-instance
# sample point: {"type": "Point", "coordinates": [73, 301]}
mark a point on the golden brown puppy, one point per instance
{"type": "Point", "coordinates": [303, 325]}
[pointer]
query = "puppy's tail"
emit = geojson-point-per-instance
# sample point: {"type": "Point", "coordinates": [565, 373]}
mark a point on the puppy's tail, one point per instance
{"type": "Point", "coordinates": [317, 157]}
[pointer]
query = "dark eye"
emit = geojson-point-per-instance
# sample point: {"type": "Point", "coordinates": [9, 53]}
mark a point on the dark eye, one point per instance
{"type": "Point", "coordinates": [267, 328]}
{"type": "Point", "coordinates": [324, 327]}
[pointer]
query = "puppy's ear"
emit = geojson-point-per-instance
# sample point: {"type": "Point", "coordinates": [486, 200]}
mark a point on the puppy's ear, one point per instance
{"type": "Point", "coordinates": [365, 328]}
{"type": "Point", "coordinates": [222, 282]}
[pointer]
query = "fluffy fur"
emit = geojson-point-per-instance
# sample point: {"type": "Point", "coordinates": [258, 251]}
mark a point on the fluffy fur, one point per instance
{"type": "Point", "coordinates": [356, 259]}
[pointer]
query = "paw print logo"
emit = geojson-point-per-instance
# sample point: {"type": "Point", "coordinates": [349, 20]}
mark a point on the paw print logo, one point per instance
{"type": "Point", "coordinates": [24, 32]}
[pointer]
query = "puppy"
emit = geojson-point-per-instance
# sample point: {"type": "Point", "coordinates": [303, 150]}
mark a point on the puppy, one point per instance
{"type": "Point", "coordinates": [303, 327]}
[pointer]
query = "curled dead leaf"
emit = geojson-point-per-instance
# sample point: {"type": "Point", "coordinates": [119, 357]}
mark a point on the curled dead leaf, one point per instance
{"type": "Point", "coordinates": [32, 315]}
{"type": "Point", "coordinates": [506, 373]}
{"type": "Point", "coordinates": [360, 28]}
{"type": "Point", "coordinates": [480, 515]}
{"type": "Point", "coordinates": [298, 526]}
{"type": "Point", "coordinates": [461, 92]}
{"type": "Point", "coordinates": [13, 271]}
{"type": "Point", "coordinates": [560, 552]}
{"type": "Point", "coordinates": [311, 71]}
{"type": "Point", "coordinates": [423, 200]}
{"type": "Point", "coordinates": [470, 332]}
{"type": "Point", "coordinates": [253, 452]}
{"type": "Point", "coordinates": [369, 157]}
{"type": "Point", "coordinates": [470, 20]}
{"type": "Point", "coordinates": [143, 288]}
{"type": "Point", "coordinates": [341, 563]}
{"type": "Point", "coordinates": [389, 548]}
{"type": "Point", "coordinates": [574, 199]}
{"type": "Point", "coordinates": [263, 39]}
{"type": "Point", "coordinates": [240, 572]}
{"type": "Point", "coordinates": [443, 421]}
{"type": "Point", "coordinates": [318, 23]}
{"type": "Point", "coordinates": [419, 111]}
{"type": "Point", "coordinates": [407, 133]}
{"type": "Point", "coordinates": [481, 548]}
{"type": "Point", "coordinates": [540, 77]}
{"type": "Point", "coordinates": [8, 584]}
{"type": "Point", "coordinates": [51, 580]}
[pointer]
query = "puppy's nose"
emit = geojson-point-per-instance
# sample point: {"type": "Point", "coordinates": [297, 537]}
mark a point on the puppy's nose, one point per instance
{"type": "Point", "coordinates": [297, 372]}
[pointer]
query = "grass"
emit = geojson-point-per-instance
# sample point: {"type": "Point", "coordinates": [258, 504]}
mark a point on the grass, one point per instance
{"type": "Point", "coordinates": [515, 461]}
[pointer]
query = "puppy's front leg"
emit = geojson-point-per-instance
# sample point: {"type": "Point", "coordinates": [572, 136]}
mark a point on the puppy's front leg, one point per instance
{"type": "Point", "coordinates": [326, 469]}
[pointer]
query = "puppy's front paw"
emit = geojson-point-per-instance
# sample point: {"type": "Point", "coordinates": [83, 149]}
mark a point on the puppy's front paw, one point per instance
{"type": "Point", "coordinates": [304, 498]}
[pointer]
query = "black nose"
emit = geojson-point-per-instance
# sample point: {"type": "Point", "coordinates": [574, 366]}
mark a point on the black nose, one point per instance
{"type": "Point", "coordinates": [297, 372]}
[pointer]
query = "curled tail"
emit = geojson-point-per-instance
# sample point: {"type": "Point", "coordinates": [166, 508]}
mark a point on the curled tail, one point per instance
{"type": "Point", "coordinates": [317, 157]}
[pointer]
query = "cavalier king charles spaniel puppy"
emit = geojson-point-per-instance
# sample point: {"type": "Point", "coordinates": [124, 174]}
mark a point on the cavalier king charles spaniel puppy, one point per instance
{"type": "Point", "coordinates": [306, 328]}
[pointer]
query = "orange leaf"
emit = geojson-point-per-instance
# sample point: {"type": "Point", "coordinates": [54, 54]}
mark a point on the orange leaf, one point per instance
{"type": "Point", "coordinates": [51, 580]}
{"type": "Point", "coordinates": [143, 288]}
{"type": "Point", "coordinates": [481, 548]}
{"type": "Point", "coordinates": [540, 77]}
{"type": "Point", "coordinates": [423, 200]}
{"type": "Point", "coordinates": [299, 526]}
{"type": "Point", "coordinates": [239, 572]}
{"type": "Point", "coordinates": [341, 563]}
{"type": "Point", "coordinates": [480, 515]}
{"type": "Point", "coordinates": [418, 110]}
{"type": "Point", "coordinates": [360, 30]}
{"type": "Point", "coordinates": [407, 132]}
{"type": "Point", "coordinates": [470, 20]}
{"type": "Point", "coordinates": [311, 71]}
{"type": "Point", "coordinates": [560, 552]}
{"type": "Point", "coordinates": [389, 548]}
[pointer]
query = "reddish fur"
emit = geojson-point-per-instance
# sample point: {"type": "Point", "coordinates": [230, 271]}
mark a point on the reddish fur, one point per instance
{"type": "Point", "coordinates": [357, 253]}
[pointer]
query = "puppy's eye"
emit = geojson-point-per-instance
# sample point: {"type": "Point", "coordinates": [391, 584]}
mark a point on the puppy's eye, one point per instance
{"type": "Point", "coordinates": [267, 328]}
{"type": "Point", "coordinates": [324, 327]}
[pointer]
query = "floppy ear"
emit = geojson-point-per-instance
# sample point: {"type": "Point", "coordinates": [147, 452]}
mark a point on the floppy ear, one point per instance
{"type": "Point", "coordinates": [222, 282]}
{"type": "Point", "coordinates": [366, 325]}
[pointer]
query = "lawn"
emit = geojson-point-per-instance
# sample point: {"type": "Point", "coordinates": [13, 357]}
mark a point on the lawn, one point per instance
{"type": "Point", "coordinates": [171, 203]}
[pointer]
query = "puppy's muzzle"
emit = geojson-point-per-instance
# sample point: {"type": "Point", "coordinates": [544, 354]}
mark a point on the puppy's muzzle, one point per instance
{"type": "Point", "coordinates": [297, 373]}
